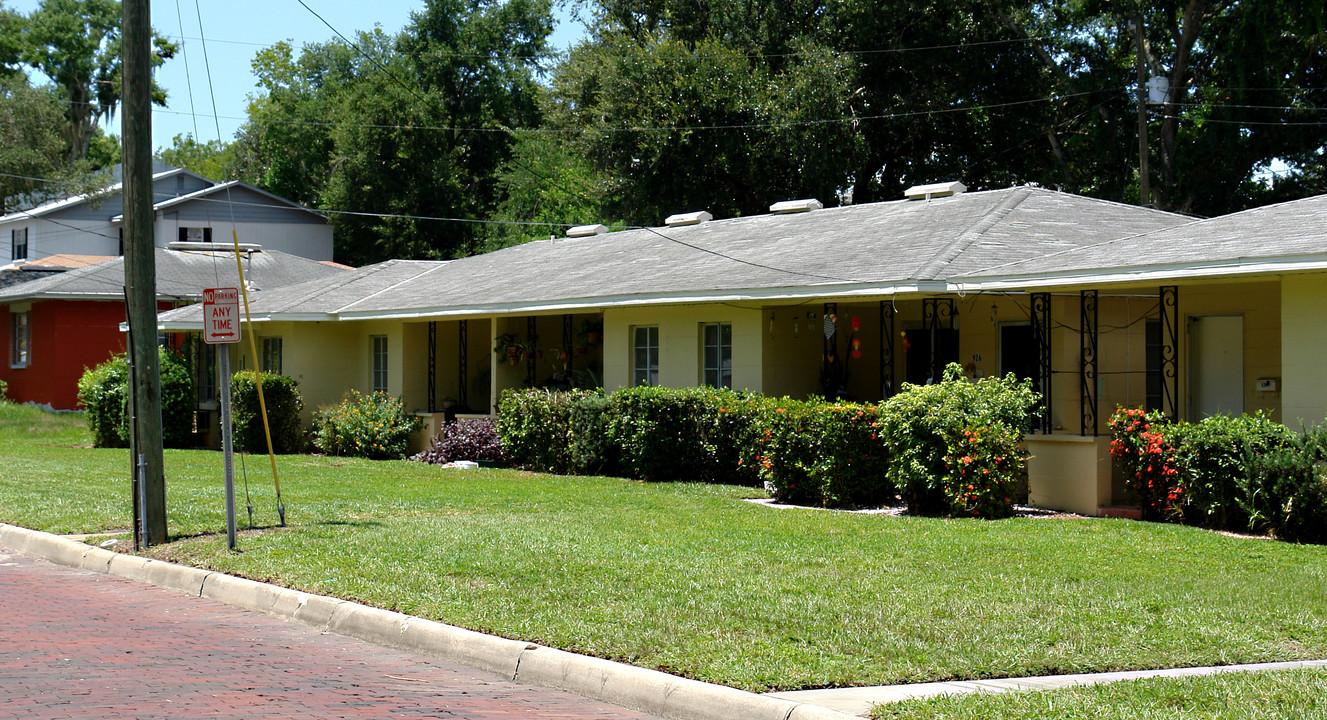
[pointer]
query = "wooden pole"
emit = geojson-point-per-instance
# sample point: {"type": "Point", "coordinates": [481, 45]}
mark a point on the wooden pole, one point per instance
{"type": "Point", "coordinates": [139, 261]}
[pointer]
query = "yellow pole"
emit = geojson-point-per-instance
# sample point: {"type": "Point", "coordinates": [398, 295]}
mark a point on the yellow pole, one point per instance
{"type": "Point", "coordinates": [258, 380]}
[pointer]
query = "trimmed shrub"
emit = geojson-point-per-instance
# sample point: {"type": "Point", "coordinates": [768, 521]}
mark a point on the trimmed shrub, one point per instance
{"type": "Point", "coordinates": [475, 440]}
{"type": "Point", "coordinates": [930, 429]}
{"type": "Point", "coordinates": [284, 405]}
{"type": "Point", "coordinates": [1213, 456]}
{"type": "Point", "coordinates": [1143, 446]}
{"type": "Point", "coordinates": [818, 453]}
{"type": "Point", "coordinates": [1284, 490]}
{"type": "Point", "coordinates": [374, 426]}
{"type": "Point", "coordinates": [665, 434]}
{"type": "Point", "coordinates": [591, 451]}
{"type": "Point", "coordinates": [535, 428]}
{"type": "Point", "coordinates": [104, 392]}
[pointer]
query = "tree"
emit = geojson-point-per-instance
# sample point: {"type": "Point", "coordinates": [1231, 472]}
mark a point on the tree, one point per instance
{"type": "Point", "coordinates": [393, 129]}
{"type": "Point", "coordinates": [213, 159]}
{"type": "Point", "coordinates": [76, 43]}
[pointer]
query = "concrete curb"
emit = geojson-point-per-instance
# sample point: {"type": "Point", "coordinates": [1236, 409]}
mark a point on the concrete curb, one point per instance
{"type": "Point", "coordinates": [636, 688]}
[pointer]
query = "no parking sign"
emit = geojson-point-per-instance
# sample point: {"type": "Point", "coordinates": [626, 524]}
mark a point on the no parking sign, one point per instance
{"type": "Point", "coordinates": [221, 315]}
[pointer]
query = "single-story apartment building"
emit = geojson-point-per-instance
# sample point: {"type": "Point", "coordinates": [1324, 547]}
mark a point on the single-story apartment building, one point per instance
{"type": "Point", "coordinates": [1100, 304]}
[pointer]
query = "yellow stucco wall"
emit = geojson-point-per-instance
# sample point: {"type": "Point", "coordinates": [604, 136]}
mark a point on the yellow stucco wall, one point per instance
{"type": "Point", "coordinates": [680, 345]}
{"type": "Point", "coordinates": [1304, 349]}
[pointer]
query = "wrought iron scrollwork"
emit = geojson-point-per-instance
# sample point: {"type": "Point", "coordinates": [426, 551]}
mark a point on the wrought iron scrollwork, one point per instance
{"type": "Point", "coordinates": [887, 349]}
{"type": "Point", "coordinates": [1041, 339]}
{"type": "Point", "coordinates": [1087, 360]}
{"type": "Point", "coordinates": [1170, 351]}
{"type": "Point", "coordinates": [433, 366]}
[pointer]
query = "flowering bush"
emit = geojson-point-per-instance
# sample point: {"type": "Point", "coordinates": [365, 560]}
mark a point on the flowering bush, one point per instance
{"type": "Point", "coordinates": [955, 446]}
{"type": "Point", "coordinates": [982, 475]}
{"type": "Point", "coordinates": [373, 426]}
{"type": "Point", "coordinates": [1145, 453]}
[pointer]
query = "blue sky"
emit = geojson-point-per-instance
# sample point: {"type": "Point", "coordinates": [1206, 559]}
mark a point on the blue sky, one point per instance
{"type": "Point", "coordinates": [235, 30]}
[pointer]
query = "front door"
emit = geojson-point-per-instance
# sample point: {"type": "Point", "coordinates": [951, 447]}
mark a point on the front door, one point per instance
{"type": "Point", "coordinates": [1216, 365]}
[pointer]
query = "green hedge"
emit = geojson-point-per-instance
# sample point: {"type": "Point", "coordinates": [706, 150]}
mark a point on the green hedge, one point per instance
{"type": "Point", "coordinates": [1244, 473]}
{"type": "Point", "coordinates": [103, 392]}
{"type": "Point", "coordinates": [535, 427]}
{"type": "Point", "coordinates": [820, 453]}
{"type": "Point", "coordinates": [284, 404]}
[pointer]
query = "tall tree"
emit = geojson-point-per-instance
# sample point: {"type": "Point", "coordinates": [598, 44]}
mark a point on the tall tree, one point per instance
{"type": "Point", "coordinates": [395, 128]}
{"type": "Point", "coordinates": [76, 43]}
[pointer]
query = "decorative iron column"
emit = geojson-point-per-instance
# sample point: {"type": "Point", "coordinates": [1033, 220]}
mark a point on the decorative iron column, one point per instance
{"type": "Point", "coordinates": [463, 364]}
{"type": "Point", "coordinates": [1041, 339]}
{"type": "Point", "coordinates": [887, 349]}
{"type": "Point", "coordinates": [937, 315]}
{"type": "Point", "coordinates": [1087, 361]}
{"type": "Point", "coordinates": [433, 366]}
{"type": "Point", "coordinates": [531, 327]}
{"type": "Point", "coordinates": [1170, 351]}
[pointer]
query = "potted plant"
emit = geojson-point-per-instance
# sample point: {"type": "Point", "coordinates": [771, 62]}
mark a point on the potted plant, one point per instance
{"type": "Point", "coordinates": [591, 330]}
{"type": "Point", "coordinates": [508, 346]}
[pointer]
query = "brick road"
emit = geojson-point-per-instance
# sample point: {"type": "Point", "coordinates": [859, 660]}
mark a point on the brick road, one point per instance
{"type": "Point", "coordinates": [77, 644]}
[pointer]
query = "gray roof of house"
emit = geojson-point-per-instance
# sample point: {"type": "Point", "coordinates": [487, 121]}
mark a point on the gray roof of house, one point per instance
{"type": "Point", "coordinates": [878, 248]}
{"type": "Point", "coordinates": [20, 275]}
{"type": "Point", "coordinates": [181, 275]}
{"type": "Point", "coordinates": [1291, 235]}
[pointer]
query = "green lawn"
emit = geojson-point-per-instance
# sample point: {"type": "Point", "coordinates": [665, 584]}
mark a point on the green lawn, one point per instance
{"type": "Point", "coordinates": [692, 580]}
{"type": "Point", "coordinates": [1283, 695]}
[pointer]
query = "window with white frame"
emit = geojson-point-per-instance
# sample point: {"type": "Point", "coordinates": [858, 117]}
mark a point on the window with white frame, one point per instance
{"type": "Point", "coordinates": [378, 344]}
{"type": "Point", "coordinates": [272, 355]}
{"type": "Point", "coordinates": [645, 355]}
{"type": "Point", "coordinates": [20, 339]}
{"type": "Point", "coordinates": [718, 355]}
{"type": "Point", "coordinates": [19, 244]}
{"type": "Point", "coordinates": [195, 234]}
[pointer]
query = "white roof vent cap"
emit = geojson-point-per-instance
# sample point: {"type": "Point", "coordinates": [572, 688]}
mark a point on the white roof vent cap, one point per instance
{"type": "Point", "coordinates": [795, 206]}
{"type": "Point", "coordinates": [692, 218]}
{"type": "Point", "coordinates": [934, 190]}
{"type": "Point", "coordinates": [586, 230]}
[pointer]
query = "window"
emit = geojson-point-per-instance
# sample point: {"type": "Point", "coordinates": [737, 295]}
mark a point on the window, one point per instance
{"type": "Point", "coordinates": [1152, 359]}
{"type": "Point", "coordinates": [196, 234]}
{"type": "Point", "coordinates": [718, 355]}
{"type": "Point", "coordinates": [19, 240]}
{"type": "Point", "coordinates": [645, 346]}
{"type": "Point", "coordinates": [20, 339]}
{"type": "Point", "coordinates": [272, 355]}
{"type": "Point", "coordinates": [379, 351]}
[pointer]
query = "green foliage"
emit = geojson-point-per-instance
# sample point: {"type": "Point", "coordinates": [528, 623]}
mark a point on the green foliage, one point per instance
{"type": "Point", "coordinates": [104, 392]}
{"type": "Point", "coordinates": [284, 404]}
{"type": "Point", "coordinates": [213, 159]}
{"type": "Point", "coordinates": [1212, 457]}
{"type": "Point", "coordinates": [591, 451]}
{"type": "Point", "coordinates": [823, 454]}
{"type": "Point", "coordinates": [661, 433]}
{"type": "Point", "coordinates": [4, 388]}
{"type": "Point", "coordinates": [1284, 488]}
{"type": "Point", "coordinates": [536, 428]}
{"type": "Point", "coordinates": [76, 43]}
{"type": "Point", "coordinates": [930, 429]}
{"type": "Point", "coordinates": [374, 426]}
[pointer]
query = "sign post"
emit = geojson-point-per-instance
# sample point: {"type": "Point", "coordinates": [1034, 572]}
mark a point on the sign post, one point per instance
{"type": "Point", "coordinates": [221, 325]}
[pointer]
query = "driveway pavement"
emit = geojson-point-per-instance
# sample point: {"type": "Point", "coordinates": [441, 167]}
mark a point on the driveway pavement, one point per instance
{"type": "Point", "coordinates": [79, 644]}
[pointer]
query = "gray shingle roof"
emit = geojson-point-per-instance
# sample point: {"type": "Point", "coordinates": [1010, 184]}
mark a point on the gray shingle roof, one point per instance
{"type": "Point", "coordinates": [879, 248]}
{"type": "Point", "coordinates": [880, 245]}
{"type": "Point", "coordinates": [1290, 231]}
{"type": "Point", "coordinates": [181, 275]}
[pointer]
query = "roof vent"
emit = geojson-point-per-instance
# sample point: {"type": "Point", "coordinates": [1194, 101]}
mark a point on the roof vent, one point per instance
{"type": "Point", "coordinates": [795, 206]}
{"type": "Point", "coordinates": [212, 247]}
{"type": "Point", "coordinates": [692, 218]}
{"type": "Point", "coordinates": [586, 230]}
{"type": "Point", "coordinates": [934, 190]}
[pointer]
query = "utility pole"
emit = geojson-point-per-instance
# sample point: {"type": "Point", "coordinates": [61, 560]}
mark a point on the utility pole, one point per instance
{"type": "Point", "coordinates": [140, 273]}
{"type": "Point", "coordinates": [1144, 182]}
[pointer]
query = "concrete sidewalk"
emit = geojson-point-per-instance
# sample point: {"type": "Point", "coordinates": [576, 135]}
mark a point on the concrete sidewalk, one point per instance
{"type": "Point", "coordinates": [858, 700]}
